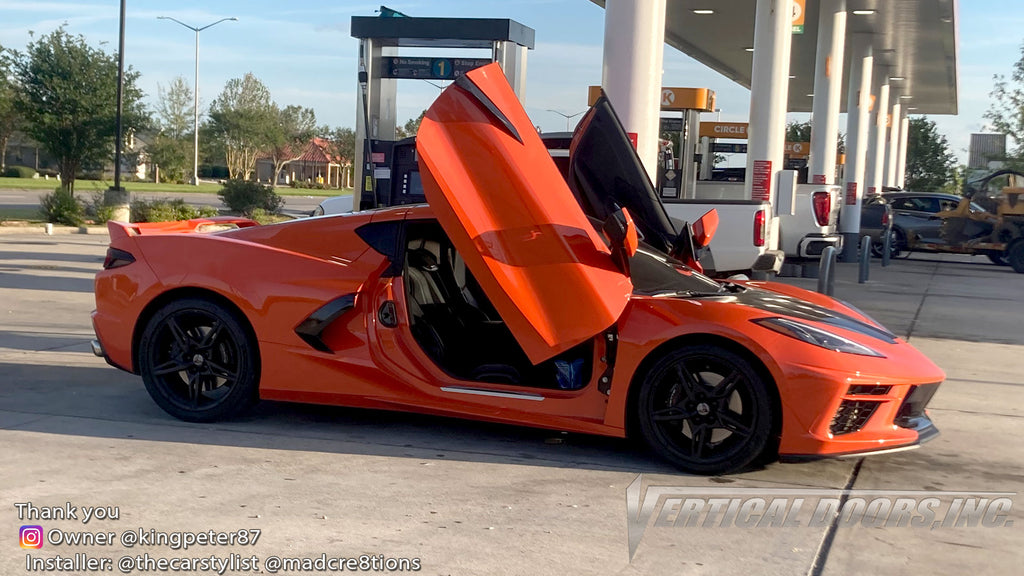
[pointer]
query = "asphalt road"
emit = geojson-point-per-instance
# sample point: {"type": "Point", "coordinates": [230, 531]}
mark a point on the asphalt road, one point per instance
{"type": "Point", "coordinates": [472, 498]}
{"type": "Point", "coordinates": [294, 205]}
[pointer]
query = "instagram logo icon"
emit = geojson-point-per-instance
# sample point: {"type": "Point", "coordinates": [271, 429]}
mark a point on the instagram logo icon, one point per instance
{"type": "Point", "coordinates": [31, 536]}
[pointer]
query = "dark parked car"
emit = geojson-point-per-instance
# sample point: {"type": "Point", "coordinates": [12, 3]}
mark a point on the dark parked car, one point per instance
{"type": "Point", "coordinates": [876, 221]}
{"type": "Point", "coordinates": [915, 226]}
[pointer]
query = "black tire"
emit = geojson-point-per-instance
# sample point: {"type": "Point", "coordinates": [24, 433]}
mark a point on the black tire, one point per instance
{"type": "Point", "coordinates": [199, 361]}
{"type": "Point", "coordinates": [689, 419]}
{"type": "Point", "coordinates": [999, 259]}
{"type": "Point", "coordinates": [898, 244]}
{"type": "Point", "coordinates": [1015, 254]}
{"type": "Point", "coordinates": [894, 249]}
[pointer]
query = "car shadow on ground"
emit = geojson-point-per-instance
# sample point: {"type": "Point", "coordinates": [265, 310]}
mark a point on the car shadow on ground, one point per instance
{"type": "Point", "coordinates": [92, 259]}
{"type": "Point", "coordinates": [16, 279]}
{"type": "Point", "coordinates": [101, 402]}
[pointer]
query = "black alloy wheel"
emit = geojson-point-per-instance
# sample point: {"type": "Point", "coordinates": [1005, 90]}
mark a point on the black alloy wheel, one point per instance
{"type": "Point", "coordinates": [198, 361]}
{"type": "Point", "coordinates": [705, 409]}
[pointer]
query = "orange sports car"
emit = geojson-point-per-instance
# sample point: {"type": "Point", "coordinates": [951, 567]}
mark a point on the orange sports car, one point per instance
{"type": "Point", "coordinates": [517, 295]}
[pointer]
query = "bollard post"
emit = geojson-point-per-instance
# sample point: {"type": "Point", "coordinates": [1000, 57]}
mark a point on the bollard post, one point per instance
{"type": "Point", "coordinates": [865, 259]}
{"type": "Point", "coordinates": [827, 271]}
{"type": "Point", "coordinates": [886, 248]}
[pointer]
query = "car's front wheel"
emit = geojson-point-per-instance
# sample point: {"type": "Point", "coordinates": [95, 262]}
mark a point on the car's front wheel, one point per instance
{"type": "Point", "coordinates": [705, 409]}
{"type": "Point", "coordinates": [199, 361]}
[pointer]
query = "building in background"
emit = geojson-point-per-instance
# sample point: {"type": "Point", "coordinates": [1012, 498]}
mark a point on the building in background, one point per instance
{"type": "Point", "coordinates": [986, 149]}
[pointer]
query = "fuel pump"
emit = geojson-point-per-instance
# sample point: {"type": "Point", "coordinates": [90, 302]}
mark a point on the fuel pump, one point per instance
{"type": "Point", "coordinates": [387, 167]}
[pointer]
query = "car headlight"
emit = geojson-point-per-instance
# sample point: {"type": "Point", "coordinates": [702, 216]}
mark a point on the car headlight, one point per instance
{"type": "Point", "coordinates": [816, 336]}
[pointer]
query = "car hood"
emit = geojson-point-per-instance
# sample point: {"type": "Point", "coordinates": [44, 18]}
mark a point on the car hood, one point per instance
{"type": "Point", "coordinates": [784, 305]}
{"type": "Point", "coordinates": [510, 214]}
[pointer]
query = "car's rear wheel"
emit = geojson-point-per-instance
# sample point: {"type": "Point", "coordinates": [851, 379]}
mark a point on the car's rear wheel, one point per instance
{"type": "Point", "coordinates": [894, 246]}
{"type": "Point", "coordinates": [199, 361]}
{"type": "Point", "coordinates": [899, 243]}
{"type": "Point", "coordinates": [705, 409]}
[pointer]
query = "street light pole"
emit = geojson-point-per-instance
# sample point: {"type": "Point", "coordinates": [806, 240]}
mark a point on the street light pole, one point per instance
{"type": "Point", "coordinates": [195, 157]}
{"type": "Point", "coordinates": [117, 197]}
{"type": "Point", "coordinates": [195, 126]}
{"type": "Point", "coordinates": [567, 117]}
{"type": "Point", "coordinates": [120, 102]}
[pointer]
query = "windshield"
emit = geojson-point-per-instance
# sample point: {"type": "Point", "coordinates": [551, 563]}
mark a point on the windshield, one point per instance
{"type": "Point", "coordinates": [654, 273]}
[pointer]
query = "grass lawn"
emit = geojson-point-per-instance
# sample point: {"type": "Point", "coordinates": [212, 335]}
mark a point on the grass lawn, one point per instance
{"type": "Point", "coordinates": [20, 213]}
{"type": "Point", "coordinates": [89, 186]}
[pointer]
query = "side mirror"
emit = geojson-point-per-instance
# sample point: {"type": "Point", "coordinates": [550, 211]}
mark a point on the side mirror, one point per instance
{"type": "Point", "coordinates": [705, 227]}
{"type": "Point", "coordinates": [620, 230]}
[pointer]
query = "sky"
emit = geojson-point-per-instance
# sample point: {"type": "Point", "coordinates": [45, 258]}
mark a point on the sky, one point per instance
{"type": "Point", "coordinates": [305, 55]}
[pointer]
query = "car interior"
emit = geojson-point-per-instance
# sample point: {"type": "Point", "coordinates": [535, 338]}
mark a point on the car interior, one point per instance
{"type": "Point", "coordinates": [459, 329]}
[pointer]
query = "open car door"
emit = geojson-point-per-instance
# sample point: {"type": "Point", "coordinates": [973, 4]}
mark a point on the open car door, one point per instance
{"type": "Point", "coordinates": [509, 213]}
{"type": "Point", "coordinates": [605, 174]}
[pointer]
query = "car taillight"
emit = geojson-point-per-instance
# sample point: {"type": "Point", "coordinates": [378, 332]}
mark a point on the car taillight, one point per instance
{"type": "Point", "coordinates": [822, 202]}
{"type": "Point", "coordinates": [759, 232]}
{"type": "Point", "coordinates": [885, 218]}
{"type": "Point", "coordinates": [117, 258]}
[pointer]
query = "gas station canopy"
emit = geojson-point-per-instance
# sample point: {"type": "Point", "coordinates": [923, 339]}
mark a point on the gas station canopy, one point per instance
{"type": "Point", "coordinates": [444, 32]}
{"type": "Point", "coordinates": [914, 39]}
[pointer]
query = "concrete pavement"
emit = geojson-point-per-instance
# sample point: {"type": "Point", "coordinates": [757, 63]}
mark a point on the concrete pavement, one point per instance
{"type": "Point", "coordinates": [472, 498]}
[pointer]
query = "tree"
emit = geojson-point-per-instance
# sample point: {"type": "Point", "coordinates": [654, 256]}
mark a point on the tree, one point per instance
{"type": "Point", "coordinates": [171, 148]}
{"type": "Point", "coordinates": [929, 161]}
{"type": "Point", "coordinates": [243, 118]}
{"type": "Point", "coordinates": [411, 126]}
{"type": "Point", "coordinates": [341, 144]}
{"type": "Point", "coordinates": [798, 131]}
{"type": "Point", "coordinates": [8, 114]}
{"type": "Point", "coordinates": [67, 96]}
{"type": "Point", "coordinates": [801, 132]}
{"type": "Point", "coordinates": [1007, 111]}
{"type": "Point", "coordinates": [295, 128]}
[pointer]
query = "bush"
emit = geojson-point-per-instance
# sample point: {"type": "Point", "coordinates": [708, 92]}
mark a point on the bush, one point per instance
{"type": "Point", "coordinates": [61, 207]}
{"type": "Point", "coordinates": [168, 211]}
{"type": "Point", "coordinates": [303, 185]}
{"type": "Point", "coordinates": [19, 172]}
{"type": "Point", "coordinates": [98, 210]}
{"type": "Point", "coordinates": [244, 197]}
{"type": "Point", "coordinates": [208, 171]}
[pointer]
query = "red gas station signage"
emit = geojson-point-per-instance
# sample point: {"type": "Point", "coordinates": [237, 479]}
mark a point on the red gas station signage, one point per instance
{"type": "Point", "coordinates": [761, 181]}
{"type": "Point", "coordinates": [851, 193]}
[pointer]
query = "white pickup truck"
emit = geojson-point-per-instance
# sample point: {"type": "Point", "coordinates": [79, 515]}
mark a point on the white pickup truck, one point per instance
{"type": "Point", "coordinates": [813, 225]}
{"type": "Point", "coordinates": [747, 228]}
{"type": "Point", "coordinates": [744, 233]}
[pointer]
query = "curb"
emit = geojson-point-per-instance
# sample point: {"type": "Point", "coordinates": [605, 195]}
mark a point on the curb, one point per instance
{"type": "Point", "coordinates": [20, 228]}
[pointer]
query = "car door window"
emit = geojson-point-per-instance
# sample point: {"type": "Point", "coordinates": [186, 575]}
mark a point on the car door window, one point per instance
{"type": "Point", "coordinates": [917, 204]}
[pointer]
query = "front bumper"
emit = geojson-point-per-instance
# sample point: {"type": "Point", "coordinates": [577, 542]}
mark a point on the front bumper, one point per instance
{"type": "Point", "coordinates": [909, 423]}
